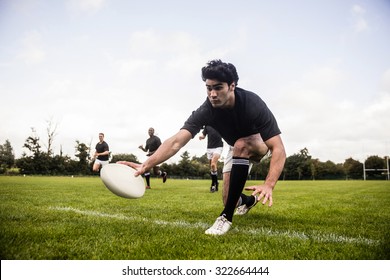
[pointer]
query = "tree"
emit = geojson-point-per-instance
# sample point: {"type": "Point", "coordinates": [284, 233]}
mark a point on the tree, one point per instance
{"type": "Point", "coordinates": [185, 168]}
{"type": "Point", "coordinates": [32, 144]}
{"type": "Point", "coordinates": [38, 162]}
{"type": "Point", "coordinates": [353, 169]}
{"type": "Point", "coordinates": [51, 133]}
{"type": "Point", "coordinates": [201, 166]}
{"type": "Point", "coordinates": [329, 170]}
{"type": "Point", "coordinates": [7, 157]}
{"type": "Point", "coordinates": [313, 168]}
{"type": "Point", "coordinates": [298, 166]}
{"type": "Point", "coordinates": [82, 153]}
{"type": "Point", "coordinates": [260, 170]}
{"type": "Point", "coordinates": [202, 160]}
{"type": "Point", "coordinates": [124, 157]}
{"type": "Point", "coordinates": [60, 165]}
{"type": "Point", "coordinates": [375, 163]}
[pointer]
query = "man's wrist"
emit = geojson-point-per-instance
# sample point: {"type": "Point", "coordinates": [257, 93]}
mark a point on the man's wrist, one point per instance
{"type": "Point", "coordinates": [270, 184]}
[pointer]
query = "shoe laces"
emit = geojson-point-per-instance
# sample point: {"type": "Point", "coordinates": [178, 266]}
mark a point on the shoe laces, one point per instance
{"type": "Point", "coordinates": [221, 222]}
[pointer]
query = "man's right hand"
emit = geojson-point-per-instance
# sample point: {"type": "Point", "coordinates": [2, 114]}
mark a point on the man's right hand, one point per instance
{"type": "Point", "coordinates": [136, 166]}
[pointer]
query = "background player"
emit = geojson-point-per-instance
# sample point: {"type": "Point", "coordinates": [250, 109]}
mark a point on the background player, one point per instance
{"type": "Point", "coordinates": [214, 151]}
{"type": "Point", "coordinates": [152, 144]}
{"type": "Point", "coordinates": [101, 155]}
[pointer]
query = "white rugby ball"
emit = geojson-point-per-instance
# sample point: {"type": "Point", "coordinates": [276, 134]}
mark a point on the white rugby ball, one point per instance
{"type": "Point", "coordinates": [120, 180]}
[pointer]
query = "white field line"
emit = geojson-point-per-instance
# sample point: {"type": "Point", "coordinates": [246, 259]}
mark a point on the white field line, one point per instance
{"type": "Point", "coordinates": [258, 231]}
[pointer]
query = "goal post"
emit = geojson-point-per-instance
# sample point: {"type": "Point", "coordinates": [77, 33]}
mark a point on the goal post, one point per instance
{"type": "Point", "coordinates": [365, 170]}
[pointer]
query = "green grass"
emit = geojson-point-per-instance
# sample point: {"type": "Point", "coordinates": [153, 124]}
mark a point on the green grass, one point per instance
{"type": "Point", "coordinates": [78, 218]}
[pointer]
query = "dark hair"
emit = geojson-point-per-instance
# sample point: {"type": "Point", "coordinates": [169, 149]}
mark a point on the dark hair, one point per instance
{"type": "Point", "coordinates": [221, 71]}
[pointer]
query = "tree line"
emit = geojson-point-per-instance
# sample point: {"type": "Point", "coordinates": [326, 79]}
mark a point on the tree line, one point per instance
{"type": "Point", "coordinates": [299, 166]}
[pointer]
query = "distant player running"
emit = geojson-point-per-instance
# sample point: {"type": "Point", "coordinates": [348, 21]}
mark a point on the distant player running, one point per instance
{"type": "Point", "coordinates": [214, 151]}
{"type": "Point", "coordinates": [101, 155]}
{"type": "Point", "coordinates": [152, 144]}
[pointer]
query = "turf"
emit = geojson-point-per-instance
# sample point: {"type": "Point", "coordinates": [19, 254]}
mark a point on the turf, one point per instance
{"type": "Point", "coordinates": [44, 218]}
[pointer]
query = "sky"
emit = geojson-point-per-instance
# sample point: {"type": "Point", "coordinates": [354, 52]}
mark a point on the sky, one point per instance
{"type": "Point", "coordinates": [120, 67]}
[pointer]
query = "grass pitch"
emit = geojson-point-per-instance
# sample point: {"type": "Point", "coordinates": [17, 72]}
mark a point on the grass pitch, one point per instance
{"type": "Point", "coordinates": [44, 218]}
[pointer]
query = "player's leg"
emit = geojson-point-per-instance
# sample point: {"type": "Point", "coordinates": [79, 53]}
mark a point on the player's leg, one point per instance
{"type": "Point", "coordinates": [244, 149]}
{"type": "Point", "coordinates": [214, 168]}
{"type": "Point", "coordinates": [251, 147]}
{"type": "Point", "coordinates": [209, 157]}
{"type": "Point", "coordinates": [96, 165]}
{"type": "Point", "coordinates": [227, 167]}
{"type": "Point", "coordinates": [225, 188]}
{"type": "Point", "coordinates": [158, 172]}
{"type": "Point", "coordinates": [147, 178]}
{"type": "Point", "coordinates": [238, 175]}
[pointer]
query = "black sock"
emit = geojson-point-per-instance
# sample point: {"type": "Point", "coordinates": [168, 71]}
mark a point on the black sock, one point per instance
{"type": "Point", "coordinates": [147, 177]}
{"type": "Point", "coordinates": [238, 176]}
{"type": "Point", "coordinates": [247, 200]}
{"type": "Point", "coordinates": [214, 179]}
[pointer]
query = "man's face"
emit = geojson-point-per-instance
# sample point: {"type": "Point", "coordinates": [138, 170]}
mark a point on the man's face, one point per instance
{"type": "Point", "coordinates": [151, 131]}
{"type": "Point", "coordinates": [220, 94]}
{"type": "Point", "coordinates": [101, 137]}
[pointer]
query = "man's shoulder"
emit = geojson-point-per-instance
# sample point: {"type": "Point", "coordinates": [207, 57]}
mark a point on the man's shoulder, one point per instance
{"type": "Point", "coordinates": [247, 93]}
{"type": "Point", "coordinates": [249, 97]}
{"type": "Point", "coordinates": [204, 110]}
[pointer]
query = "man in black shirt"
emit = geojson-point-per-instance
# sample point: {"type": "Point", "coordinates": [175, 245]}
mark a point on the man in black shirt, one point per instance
{"type": "Point", "coordinates": [101, 155]}
{"type": "Point", "coordinates": [244, 122]}
{"type": "Point", "coordinates": [152, 144]}
{"type": "Point", "coordinates": [214, 151]}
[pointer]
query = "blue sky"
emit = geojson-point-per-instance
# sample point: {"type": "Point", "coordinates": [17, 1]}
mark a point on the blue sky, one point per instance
{"type": "Point", "coordinates": [120, 67]}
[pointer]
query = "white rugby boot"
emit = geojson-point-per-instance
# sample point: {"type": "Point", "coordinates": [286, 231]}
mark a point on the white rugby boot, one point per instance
{"type": "Point", "coordinates": [220, 226]}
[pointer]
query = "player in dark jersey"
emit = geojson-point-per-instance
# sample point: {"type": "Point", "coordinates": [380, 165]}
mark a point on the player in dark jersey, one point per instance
{"type": "Point", "coordinates": [245, 123]}
{"type": "Point", "coordinates": [152, 144]}
{"type": "Point", "coordinates": [101, 155]}
{"type": "Point", "coordinates": [214, 151]}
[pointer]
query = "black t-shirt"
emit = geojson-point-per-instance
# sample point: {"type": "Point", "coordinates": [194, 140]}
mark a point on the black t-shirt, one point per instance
{"type": "Point", "coordinates": [152, 144]}
{"type": "Point", "coordinates": [214, 139]}
{"type": "Point", "coordinates": [250, 115]}
{"type": "Point", "coordinates": [100, 148]}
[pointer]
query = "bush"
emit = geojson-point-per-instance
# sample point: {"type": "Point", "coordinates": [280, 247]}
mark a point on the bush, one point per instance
{"type": "Point", "coordinates": [12, 171]}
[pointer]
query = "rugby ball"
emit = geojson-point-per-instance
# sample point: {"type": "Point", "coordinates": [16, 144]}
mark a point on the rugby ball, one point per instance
{"type": "Point", "coordinates": [120, 180]}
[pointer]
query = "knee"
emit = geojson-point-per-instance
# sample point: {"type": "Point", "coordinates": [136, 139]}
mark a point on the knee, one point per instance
{"type": "Point", "coordinates": [250, 147]}
{"type": "Point", "coordinates": [241, 148]}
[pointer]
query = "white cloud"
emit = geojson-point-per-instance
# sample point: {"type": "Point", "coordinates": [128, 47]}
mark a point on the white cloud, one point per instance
{"type": "Point", "coordinates": [32, 51]}
{"type": "Point", "coordinates": [323, 77]}
{"type": "Point", "coordinates": [380, 107]}
{"type": "Point", "coordinates": [360, 23]}
{"type": "Point", "coordinates": [120, 68]}
{"type": "Point", "coordinates": [358, 10]}
{"type": "Point", "coordinates": [385, 82]}
{"type": "Point", "coordinates": [89, 6]}
{"type": "Point", "coordinates": [129, 67]}
{"type": "Point", "coordinates": [316, 114]}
